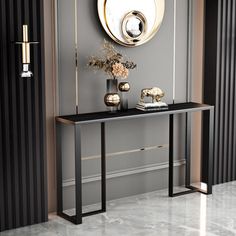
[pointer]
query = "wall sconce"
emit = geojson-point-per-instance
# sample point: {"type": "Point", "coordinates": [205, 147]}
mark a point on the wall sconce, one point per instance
{"type": "Point", "coordinates": [26, 73]}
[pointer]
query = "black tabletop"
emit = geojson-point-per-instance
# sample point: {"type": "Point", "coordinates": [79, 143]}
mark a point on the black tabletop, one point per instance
{"type": "Point", "coordinates": [131, 113]}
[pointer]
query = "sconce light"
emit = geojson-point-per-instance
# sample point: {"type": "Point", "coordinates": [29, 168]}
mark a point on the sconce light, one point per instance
{"type": "Point", "coordinates": [26, 73]}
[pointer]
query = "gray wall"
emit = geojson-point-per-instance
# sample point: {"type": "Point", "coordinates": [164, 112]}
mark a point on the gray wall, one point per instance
{"type": "Point", "coordinates": [128, 173]}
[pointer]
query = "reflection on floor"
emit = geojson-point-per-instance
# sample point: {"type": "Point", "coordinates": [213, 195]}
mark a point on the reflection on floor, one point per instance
{"type": "Point", "coordinates": [152, 214]}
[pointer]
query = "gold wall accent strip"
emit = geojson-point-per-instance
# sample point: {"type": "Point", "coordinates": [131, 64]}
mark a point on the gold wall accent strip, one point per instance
{"type": "Point", "coordinates": [114, 154]}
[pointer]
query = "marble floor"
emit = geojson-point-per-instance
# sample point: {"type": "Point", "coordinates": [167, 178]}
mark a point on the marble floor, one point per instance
{"type": "Point", "coordinates": [152, 214]}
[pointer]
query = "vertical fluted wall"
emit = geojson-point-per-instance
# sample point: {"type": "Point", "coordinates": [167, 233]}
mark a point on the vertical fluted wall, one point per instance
{"type": "Point", "coordinates": [23, 192]}
{"type": "Point", "coordinates": [220, 83]}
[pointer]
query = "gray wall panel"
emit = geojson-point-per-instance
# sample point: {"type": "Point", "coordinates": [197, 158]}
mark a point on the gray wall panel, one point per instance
{"type": "Point", "coordinates": [66, 56]}
{"type": "Point", "coordinates": [155, 68]}
{"type": "Point", "coordinates": [181, 50]}
{"type": "Point", "coordinates": [154, 59]}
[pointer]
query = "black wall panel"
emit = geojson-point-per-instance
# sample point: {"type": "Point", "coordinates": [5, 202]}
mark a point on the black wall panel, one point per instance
{"type": "Point", "coordinates": [23, 187]}
{"type": "Point", "coordinates": [220, 83]}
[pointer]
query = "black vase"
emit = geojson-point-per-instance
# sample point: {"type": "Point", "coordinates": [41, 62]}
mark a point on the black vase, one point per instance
{"type": "Point", "coordinates": [124, 88]}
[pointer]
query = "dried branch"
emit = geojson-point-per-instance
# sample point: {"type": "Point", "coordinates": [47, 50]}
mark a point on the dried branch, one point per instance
{"type": "Point", "coordinates": [111, 62]}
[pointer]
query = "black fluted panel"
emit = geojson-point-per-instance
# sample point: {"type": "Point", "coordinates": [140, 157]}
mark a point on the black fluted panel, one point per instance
{"type": "Point", "coordinates": [23, 187]}
{"type": "Point", "coordinates": [220, 84]}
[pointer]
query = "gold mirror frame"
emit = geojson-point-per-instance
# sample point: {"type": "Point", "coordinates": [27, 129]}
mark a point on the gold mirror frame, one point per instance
{"type": "Point", "coordinates": [115, 27]}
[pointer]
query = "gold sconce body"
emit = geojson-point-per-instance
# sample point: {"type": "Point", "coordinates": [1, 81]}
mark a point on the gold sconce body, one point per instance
{"type": "Point", "coordinates": [25, 46]}
{"type": "Point", "coordinates": [26, 73]}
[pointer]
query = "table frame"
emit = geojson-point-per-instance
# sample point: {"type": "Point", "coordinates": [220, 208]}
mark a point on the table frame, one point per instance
{"type": "Point", "coordinates": [102, 118]}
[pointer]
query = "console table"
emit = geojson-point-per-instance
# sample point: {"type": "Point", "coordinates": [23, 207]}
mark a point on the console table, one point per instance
{"type": "Point", "coordinates": [102, 118]}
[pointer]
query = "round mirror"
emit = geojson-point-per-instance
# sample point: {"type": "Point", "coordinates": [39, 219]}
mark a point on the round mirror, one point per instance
{"type": "Point", "coordinates": [134, 26]}
{"type": "Point", "coordinates": [131, 22]}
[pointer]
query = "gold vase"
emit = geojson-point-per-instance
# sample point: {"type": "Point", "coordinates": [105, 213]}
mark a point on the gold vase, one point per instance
{"type": "Point", "coordinates": [112, 99]}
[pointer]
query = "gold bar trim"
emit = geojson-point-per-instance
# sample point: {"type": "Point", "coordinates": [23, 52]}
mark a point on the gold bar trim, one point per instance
{"type": "Point", "coordinates": [114, 154]}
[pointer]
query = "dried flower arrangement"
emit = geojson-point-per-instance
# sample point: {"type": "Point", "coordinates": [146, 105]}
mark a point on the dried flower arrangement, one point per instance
{"type": "Point", "coordinates": [112, 62]}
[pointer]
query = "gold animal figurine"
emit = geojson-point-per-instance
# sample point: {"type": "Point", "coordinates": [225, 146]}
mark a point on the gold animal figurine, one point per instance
{"type": "Point", "coordinates": [155, 93]}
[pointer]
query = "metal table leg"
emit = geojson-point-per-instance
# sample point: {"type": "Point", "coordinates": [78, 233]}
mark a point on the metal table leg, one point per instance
{"type": "Point", "coordinates": [77, 218]}
{"type": "Point", "coordinates": [188, 150]}
{"type": "Point", "coordinates": [192, 189]}
{"type": "Point", "coordinates": [59, 169]}
{"type": "Point", "coordinates": [208, 153]}
{"type": "Point", "coordinates": [103, 174]}
{"type": "Point", "coordinates": [103, 165]}
{"type": "Point", "coordinates": [171, 162]}
{"type": "Point", "coordinates": [171, 154]}
{"type": "Point", "coordinates": [78, 176]}
{"type": "Point", "coordinates": [210, 117]}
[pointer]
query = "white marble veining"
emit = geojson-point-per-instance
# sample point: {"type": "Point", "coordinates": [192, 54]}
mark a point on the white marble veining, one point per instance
{"type": "Point", "coordinates": [152, 214]}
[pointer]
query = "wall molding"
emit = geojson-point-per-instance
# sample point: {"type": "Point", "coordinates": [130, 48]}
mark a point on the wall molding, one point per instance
{"type": "Point", "coordinates": [125, 172]}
